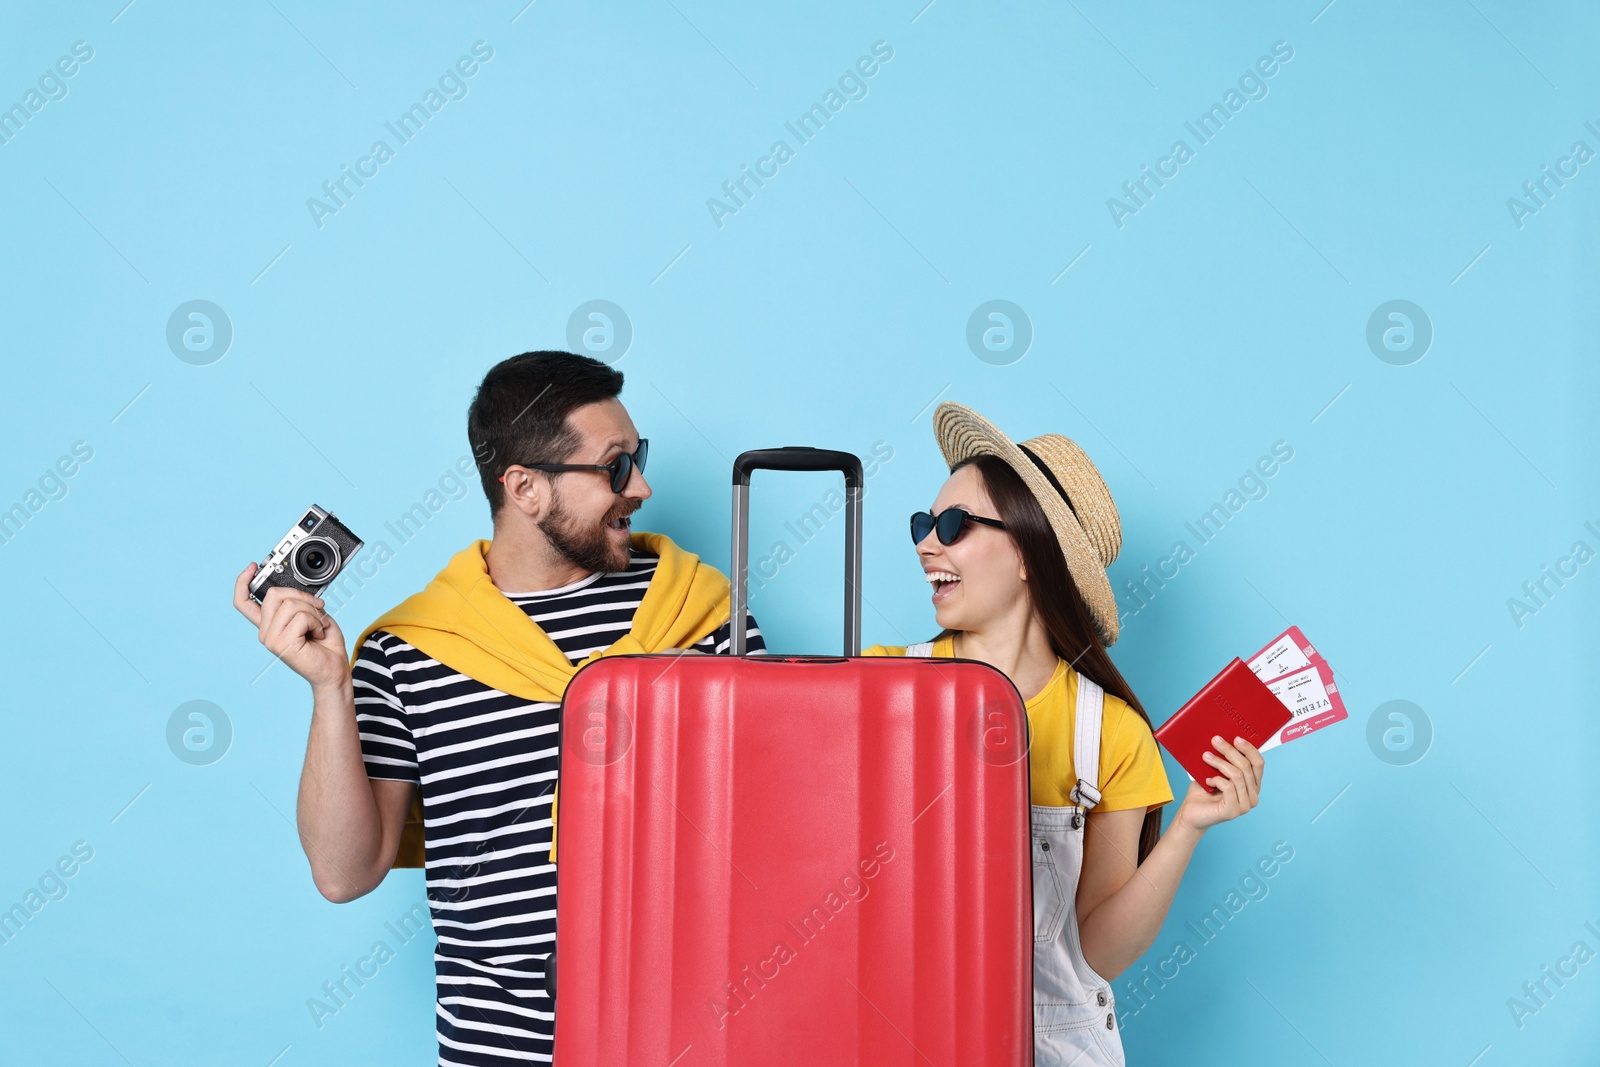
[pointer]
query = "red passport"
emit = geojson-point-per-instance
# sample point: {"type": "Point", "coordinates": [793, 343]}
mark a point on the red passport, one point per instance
{"type": "Point", "coordinates": [1233, 704]}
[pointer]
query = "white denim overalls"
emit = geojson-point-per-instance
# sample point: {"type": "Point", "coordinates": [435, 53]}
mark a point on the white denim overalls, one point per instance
{"type": "Point", "coordinates": [1074, 1013]}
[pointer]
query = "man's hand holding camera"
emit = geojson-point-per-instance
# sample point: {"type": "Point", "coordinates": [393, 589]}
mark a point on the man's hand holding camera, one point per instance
{"type": "Point", "coordinates": [280, 597]}
{"type": "Point", "coordinates": [349, 825]}
{"type": "Point", "coordinates": [295, 627]}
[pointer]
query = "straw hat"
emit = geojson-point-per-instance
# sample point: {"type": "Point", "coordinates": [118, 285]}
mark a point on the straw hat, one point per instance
{"type": "Point", "coordinates": [1069, 489]}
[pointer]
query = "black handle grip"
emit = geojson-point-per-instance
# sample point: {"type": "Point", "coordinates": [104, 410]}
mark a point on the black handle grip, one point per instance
{"type": "Point", "coordinates": [798, 458]}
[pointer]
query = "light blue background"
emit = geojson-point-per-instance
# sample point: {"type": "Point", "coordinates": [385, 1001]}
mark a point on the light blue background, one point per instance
{"type": "Point", "coordinates": [1227, 314]}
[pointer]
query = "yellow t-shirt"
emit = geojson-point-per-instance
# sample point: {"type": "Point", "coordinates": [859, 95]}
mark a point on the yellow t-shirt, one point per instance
{"type": "Point", "coordinates": [1131, 774]}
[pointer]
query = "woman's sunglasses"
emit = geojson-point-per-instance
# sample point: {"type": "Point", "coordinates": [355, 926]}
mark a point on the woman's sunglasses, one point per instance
{"type": "Point", "coordinates": [949, 524]}
{"type": "Point", "coordinates": [620, 468]}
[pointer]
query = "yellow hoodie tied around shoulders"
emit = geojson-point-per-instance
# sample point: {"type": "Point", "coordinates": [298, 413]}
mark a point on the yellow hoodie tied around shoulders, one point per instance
{"type": "Point", "coordinates": [464, 621]}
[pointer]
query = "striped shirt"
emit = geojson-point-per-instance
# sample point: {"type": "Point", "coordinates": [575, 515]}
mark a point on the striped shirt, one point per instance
{"type": "Point", "coordinates": [487, 763]}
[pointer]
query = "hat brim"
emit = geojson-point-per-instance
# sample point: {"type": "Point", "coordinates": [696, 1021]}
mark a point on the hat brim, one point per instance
{"type": "Point", "coordinates": [962, 433]}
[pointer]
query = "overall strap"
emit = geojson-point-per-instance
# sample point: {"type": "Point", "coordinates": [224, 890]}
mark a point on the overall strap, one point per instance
{"type": "Point", "coordinates": [923, 649]}
{"type": "Point", "coordinates": [1086, 743]}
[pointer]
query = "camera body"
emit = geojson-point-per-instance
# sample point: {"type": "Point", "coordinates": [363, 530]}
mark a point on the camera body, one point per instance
{"type": "Point", "coordinates": [309, 556]}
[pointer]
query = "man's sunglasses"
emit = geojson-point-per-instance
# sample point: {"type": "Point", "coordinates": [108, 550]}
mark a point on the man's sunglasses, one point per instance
{"type": "Point", "coordinates": [949, 524]}
{"type": "Point", "coordinates": [620, 468]}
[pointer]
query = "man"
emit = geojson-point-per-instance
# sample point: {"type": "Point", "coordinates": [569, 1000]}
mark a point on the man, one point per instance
{"type": "Point", "coordinates": [457, 690]}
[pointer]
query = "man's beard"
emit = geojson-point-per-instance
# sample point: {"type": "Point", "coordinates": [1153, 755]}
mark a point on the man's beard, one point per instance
{"type": "Point", "coordinates": [587, 547]}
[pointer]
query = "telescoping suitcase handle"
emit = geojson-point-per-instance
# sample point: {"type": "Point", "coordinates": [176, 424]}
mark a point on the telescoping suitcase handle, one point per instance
{"type": "Point", "coordinates": [797, 458]}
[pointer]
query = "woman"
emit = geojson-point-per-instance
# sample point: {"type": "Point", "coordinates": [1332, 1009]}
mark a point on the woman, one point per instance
{"type": "Point", "coordinates": [1016, 549]}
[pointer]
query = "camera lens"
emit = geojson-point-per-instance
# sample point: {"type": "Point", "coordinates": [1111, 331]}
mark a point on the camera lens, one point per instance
{"type": "Point", "coordinates": [315, 560]}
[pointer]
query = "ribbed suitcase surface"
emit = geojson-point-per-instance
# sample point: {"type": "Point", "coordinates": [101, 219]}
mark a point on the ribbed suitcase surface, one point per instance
{"type": "Point", "coordinates": [769, 861]}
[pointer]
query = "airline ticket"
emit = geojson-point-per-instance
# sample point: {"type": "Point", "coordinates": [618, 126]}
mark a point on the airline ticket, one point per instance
{"type": "Point", "coordinates": [1303, 681]}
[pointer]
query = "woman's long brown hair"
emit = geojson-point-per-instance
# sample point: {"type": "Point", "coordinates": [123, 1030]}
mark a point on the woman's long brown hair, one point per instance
{"type": "Point", "coordinates": [1056, 600]}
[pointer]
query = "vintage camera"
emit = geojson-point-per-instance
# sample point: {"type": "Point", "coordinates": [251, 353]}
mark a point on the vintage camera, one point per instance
{"type": "Point", "coordinates": [309, 556]}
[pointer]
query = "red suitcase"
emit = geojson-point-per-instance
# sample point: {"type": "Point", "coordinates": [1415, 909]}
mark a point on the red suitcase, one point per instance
{"type": "Point", "coordinates": [772, 860]}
